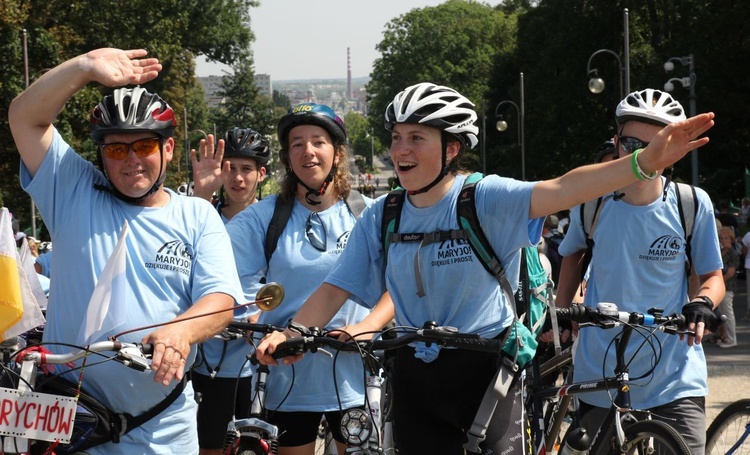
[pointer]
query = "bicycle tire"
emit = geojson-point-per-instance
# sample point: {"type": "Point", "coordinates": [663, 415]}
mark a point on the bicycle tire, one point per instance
{"type": "Point", "coordinates": [639, 435]}
{"type": "Point", "coordinates": [731, 425]}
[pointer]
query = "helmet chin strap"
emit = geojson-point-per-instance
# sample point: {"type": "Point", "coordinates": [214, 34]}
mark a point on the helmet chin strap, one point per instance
{"type": "Point", "coordinates": [443, 172]}
{"type": "Point", "coordinates": [320, 191]}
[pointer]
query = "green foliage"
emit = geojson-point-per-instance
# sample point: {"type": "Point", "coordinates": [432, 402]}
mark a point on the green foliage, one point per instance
{"type": "Point", "coordinates": [361, 140]}
{"type": "Point", "coordinates": [454, 44]}
{"type": "Point", "coordinates": [281, 100]}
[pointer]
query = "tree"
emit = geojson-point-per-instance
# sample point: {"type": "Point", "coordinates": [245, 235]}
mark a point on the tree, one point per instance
{"type": "Point", "coordinates": [454, 44]}
{"type": "Point", "coordinates": [361, 139]}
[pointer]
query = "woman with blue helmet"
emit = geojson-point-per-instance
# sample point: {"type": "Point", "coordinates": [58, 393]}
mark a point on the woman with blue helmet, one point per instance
{"type": "Point", "coordinates": [316, 185]}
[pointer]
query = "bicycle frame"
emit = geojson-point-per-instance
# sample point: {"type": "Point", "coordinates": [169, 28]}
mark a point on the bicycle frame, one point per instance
{"type": "Point", "coordinates": [620, 412]}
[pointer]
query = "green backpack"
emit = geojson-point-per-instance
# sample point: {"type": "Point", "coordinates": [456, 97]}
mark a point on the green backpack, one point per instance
{"type": "Point", "coordinates": [534, 291]}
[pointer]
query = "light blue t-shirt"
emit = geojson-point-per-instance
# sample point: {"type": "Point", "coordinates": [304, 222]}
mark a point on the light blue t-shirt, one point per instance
{"type": "Point", "coordinates": [45, 260]}
{"type": "Point", "coordinates": [459, 292]}
{"type": "Point", "coordinates": [639, 263]}
{"type": "Point", "coordinates": [176, 254]}
{"type": "Point", "coordinates": [301, 268]}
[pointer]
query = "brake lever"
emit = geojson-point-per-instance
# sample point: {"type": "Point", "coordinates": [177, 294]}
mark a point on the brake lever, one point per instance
{"type": "Point", "coordinates": [133, 357]}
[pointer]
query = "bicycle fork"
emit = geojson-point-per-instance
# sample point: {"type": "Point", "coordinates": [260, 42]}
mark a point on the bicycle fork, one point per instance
{"type": "Point", "coordinates": [253, 431]}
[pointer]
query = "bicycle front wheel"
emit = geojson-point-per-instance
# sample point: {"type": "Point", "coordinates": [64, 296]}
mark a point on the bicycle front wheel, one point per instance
{"type": "Point", "coordinates": [730, 430]}
{"type": "Point", "coordinates": [654, 437]}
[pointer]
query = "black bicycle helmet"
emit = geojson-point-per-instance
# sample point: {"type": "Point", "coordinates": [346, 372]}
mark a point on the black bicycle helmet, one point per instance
{"type": "Point", "coordinates": [604, 149]}
{"type": "Point", "coordinates": [312, 114]}
{"type": "Point", "coordinates": [132, 110]}
{"type": "Point", "coordinates": [246, 143]}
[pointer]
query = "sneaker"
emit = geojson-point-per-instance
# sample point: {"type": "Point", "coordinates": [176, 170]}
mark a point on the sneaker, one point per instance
{"type": "Point", "coordinates": [727, 344]}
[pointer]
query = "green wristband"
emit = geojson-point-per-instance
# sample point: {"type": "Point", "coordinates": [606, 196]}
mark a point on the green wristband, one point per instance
{"type": "Point", "coordinates": [637, 168]}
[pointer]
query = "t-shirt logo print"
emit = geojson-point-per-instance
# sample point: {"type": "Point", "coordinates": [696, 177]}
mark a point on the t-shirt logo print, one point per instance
{"type": "Point", "coordinates": [453, 252]}
{"type": "Point", "coordinates": [341, 242]}
{"type": "Point", "coordinates": [174, 256]}
{"type": "Point", "coordinates": [664, 248]}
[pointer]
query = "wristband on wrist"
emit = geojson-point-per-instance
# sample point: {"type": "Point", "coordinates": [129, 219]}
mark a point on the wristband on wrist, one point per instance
{"type": "Point", "coordinates": [637, 168]}
{"type": "Point", "coordinates": [703, 299]}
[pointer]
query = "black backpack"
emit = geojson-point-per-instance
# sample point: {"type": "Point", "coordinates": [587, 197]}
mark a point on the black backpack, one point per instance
{"type": "Point", "coordinates": [553, 253]}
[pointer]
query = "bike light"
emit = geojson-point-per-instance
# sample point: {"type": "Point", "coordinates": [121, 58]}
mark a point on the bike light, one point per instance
{"type": "Point", "coordinates": [356, 427]}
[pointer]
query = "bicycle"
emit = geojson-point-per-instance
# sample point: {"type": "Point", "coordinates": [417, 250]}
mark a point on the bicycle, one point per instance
{"type": "Point", "coordinates": [620, 431]}
{"type": "Point", "coordinates": [368, 431]}
{"type": "Point", "coordinates": [23, 408]}
{"type": "Point", "coordinates": [729, 433]}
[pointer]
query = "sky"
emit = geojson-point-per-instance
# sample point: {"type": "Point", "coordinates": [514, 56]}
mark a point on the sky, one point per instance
{"type": "Point", "coordinates": [307, 39]}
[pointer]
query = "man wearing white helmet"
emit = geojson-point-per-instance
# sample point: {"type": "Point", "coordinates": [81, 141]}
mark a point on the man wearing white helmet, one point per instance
{"type": "Point", "coordinates": [436, 393]}
{"type": "Point", "coordinates": [637, 229]}
{"type": "Point", "coordinates": [179, 260]}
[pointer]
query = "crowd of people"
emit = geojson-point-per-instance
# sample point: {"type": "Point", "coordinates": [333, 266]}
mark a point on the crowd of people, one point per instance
{"type": "Point", "coordinates": [211, 253]}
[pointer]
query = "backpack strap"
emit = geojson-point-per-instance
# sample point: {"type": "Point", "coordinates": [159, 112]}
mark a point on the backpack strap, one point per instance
{"type": "Point", "coordinates": [128, 422]}
{"type": "Point", "coordinates": [391, 219]}
{"type": "Point", "coordinates": [281, 213]}
{"type": "Point", "coordinates": [687, 206]}
{"type": "Point", "coordinates": [590, 212]}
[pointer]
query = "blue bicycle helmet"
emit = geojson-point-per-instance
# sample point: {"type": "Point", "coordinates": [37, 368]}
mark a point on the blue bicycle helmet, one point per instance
{"type": "Point", "coordinates": [312, 114]}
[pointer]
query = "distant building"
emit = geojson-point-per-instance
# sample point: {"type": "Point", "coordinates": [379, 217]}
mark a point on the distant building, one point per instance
{"type": "Point", "coordinates": [211, 86]}
{"type": "Point", "coordinates": [263, 82]}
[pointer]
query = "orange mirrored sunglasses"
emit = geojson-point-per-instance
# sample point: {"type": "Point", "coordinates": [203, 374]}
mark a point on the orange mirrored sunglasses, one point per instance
{"type": "Point", "coordinates": [142, 148]}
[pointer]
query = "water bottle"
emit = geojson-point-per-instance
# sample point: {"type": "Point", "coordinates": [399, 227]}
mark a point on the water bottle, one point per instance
{"type": "Point", "coordinates": [577, 442]}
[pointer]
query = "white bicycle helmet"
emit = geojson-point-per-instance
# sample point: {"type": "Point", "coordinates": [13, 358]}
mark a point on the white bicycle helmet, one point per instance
{"type": "Point", "coordinates": [437, 106]}
{"type": "Point", "coordinates": [651, 106]}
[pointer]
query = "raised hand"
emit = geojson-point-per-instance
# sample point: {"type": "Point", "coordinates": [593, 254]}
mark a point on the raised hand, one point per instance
{"type": "Point", "coordinates": [674, 141]}
{"type": "Point", "coordinates": [208, 173]}
{"type": "Point", "coordinates": [116, 67]}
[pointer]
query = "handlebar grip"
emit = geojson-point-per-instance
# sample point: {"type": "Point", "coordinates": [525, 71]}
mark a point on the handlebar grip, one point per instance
{"type": "Point", "coordinates": [254, 327]}
{"type": "Point", "coordinates": [147, 348]}
{"type": "Point", "coordinates": [292, 346]}
{"type": "Point", "coordinates": [577, 313]}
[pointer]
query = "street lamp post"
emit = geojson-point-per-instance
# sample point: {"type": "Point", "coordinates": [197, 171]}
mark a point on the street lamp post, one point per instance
{"type": "Point", "coordinates": [686, 82]}
{"type": "Point", "coordinates": [502, 125]}
{"type": "Point", "coordinates": [596, 83]}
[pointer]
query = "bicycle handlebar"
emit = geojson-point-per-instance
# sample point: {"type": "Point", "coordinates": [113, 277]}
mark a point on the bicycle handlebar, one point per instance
{"type": "Point", "coordinates": [607, 315]}
{"type": "Point", "coordinates": [133, 355]}
{"type": "Point", "coordinates": [313, 338]}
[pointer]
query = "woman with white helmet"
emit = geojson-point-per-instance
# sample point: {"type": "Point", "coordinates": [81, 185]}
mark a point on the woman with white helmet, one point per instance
{"type": "Point", "coordinates": [431, 127]}
{"type": "Point", "coordinates": [639, 261]}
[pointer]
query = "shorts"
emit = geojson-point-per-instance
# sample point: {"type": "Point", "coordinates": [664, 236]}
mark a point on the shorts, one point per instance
{"type": "Point", "coordinates": [301, 428]}
{"type": "Point", "coordinates": [218, 405]}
